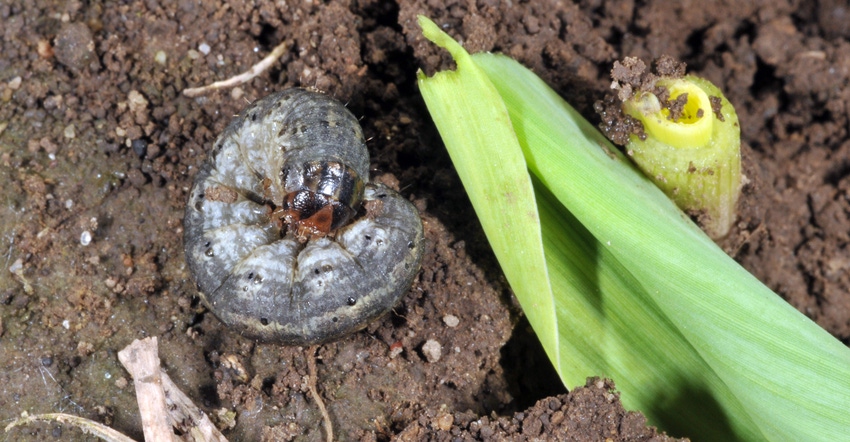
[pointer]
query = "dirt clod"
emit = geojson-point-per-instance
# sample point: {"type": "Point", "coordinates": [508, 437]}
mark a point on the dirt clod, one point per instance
{"type": "Point", "coordinates": [74, 46]}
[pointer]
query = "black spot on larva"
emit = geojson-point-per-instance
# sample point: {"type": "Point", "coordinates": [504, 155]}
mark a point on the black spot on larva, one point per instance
{"type": "Point", "coordinates": [293, 304]}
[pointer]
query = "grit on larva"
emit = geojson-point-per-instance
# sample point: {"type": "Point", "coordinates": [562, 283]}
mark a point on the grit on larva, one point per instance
{"type": "Point", "coordinates": [285, 236]}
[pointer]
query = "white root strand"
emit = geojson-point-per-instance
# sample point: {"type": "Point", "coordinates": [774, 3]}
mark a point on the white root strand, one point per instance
{"type": "Point", "coordinates": [311, 384]}
{"type": "Point", "coordinates": [244, 77]}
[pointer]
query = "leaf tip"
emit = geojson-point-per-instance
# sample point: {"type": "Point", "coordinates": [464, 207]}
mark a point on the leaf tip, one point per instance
{"type": "Point", "coordinates": [432, 32]}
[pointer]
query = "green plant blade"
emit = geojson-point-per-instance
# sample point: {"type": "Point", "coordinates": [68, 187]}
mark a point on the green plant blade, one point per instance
{"type": "Point", "coordinates": [791, 376]}
{"type": "Point", "coordinates": [599, 305]}
{"type": "Point", "coordinates": [491, 166]}
{"type": "Point", "coordinates": [642, 295]}
{"type": "Point", "coordinates": [617, 330]}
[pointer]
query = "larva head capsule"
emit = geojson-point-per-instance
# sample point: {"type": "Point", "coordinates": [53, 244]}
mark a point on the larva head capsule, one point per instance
{"type": "Point", "coordinates": [329, 196]}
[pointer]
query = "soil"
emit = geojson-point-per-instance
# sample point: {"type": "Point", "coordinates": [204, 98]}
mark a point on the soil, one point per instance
{"type": "Point", "coordinates": [98, 149]}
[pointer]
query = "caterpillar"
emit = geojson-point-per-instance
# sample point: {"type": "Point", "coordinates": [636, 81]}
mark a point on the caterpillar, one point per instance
{"type": "Point", "coordinates": [284, 235]}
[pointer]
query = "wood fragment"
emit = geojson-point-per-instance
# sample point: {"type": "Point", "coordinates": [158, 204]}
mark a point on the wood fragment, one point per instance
{"type": "Point", "coordinates": [187, 417]}
{"type": "Point", "coordinates": [141, 359]}
{"type": "Point", "coordinates": [244, 77]}
{"type": "Point", "coordinates": [179, 410]}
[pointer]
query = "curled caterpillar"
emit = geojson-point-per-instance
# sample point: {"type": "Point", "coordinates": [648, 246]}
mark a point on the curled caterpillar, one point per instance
{"type": "Point", "coordinates": [284, 235]}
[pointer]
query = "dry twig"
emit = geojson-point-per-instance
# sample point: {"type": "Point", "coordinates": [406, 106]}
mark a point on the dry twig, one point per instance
{"type": "Point", "coordinates": [244, 77]}
{"type": "Point", "coordinates": [141, 359]}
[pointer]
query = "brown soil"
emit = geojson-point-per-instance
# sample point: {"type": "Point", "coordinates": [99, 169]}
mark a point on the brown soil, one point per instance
{"type": "Point", "coordinates": [96, 139]}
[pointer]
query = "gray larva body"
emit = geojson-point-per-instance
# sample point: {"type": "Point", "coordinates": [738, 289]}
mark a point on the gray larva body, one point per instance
{"type": "Point", "coordinates": [284, 239]}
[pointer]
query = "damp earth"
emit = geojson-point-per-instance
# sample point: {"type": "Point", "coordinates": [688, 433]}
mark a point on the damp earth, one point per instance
{"type": "Point", "coordinates": [99, 148]}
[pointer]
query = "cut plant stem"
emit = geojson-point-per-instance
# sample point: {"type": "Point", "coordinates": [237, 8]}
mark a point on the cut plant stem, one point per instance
{"type": "Point", "coordinates": [691, 148]}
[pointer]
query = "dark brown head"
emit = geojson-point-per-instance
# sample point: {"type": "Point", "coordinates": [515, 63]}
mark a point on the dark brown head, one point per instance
{"type": "Point", "coordinates": [329, 196]}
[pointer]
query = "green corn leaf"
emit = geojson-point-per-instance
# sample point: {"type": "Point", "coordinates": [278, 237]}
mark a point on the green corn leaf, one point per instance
{"type": "Point", "coordinates": [641, 295]}
{"type": "Point", "coordinates": [498, 185]}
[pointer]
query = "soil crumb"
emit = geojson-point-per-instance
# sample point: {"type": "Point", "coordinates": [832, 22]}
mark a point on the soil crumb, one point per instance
{"type": "Point", "coordinates": [630, 77]}
{"type": "Point", "coordinates": [591, 412]}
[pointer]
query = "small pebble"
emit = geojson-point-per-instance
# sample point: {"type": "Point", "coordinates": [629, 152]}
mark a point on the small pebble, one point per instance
{"type": "Point", "coordinates": [140, 147]}
{"type": "Point", "coordinates": [193, 54]}
{"type": "Point", "coordinates": [204, 48]}
{"type": "Point", "coordinates": [444, 421]}
{"type": "Point", "coordinates": [15, 83]}
{"type": "Point", "coordinates": [451, 320]}
{"type": "Point", "coordinates": [137, 101]}
{"type": "Point", "coordinates": [48, 145]}
{"type": "Point", "coordinates": [74, 46]}
{"type": "Point", "coordinates": [16, 266]}
{"type": "Point", "coordinates": [396, 349]}
{"type": "Point", "coordinates": [44, 49]}
{"type": "Point", "coordinates": [432, 350]}
{"type": "Point", "coordinates": [160, 57]}
{"type": "Point", "coordinates": [70, 131]}
{"type": "Point", "coordinates": [85, 238]}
